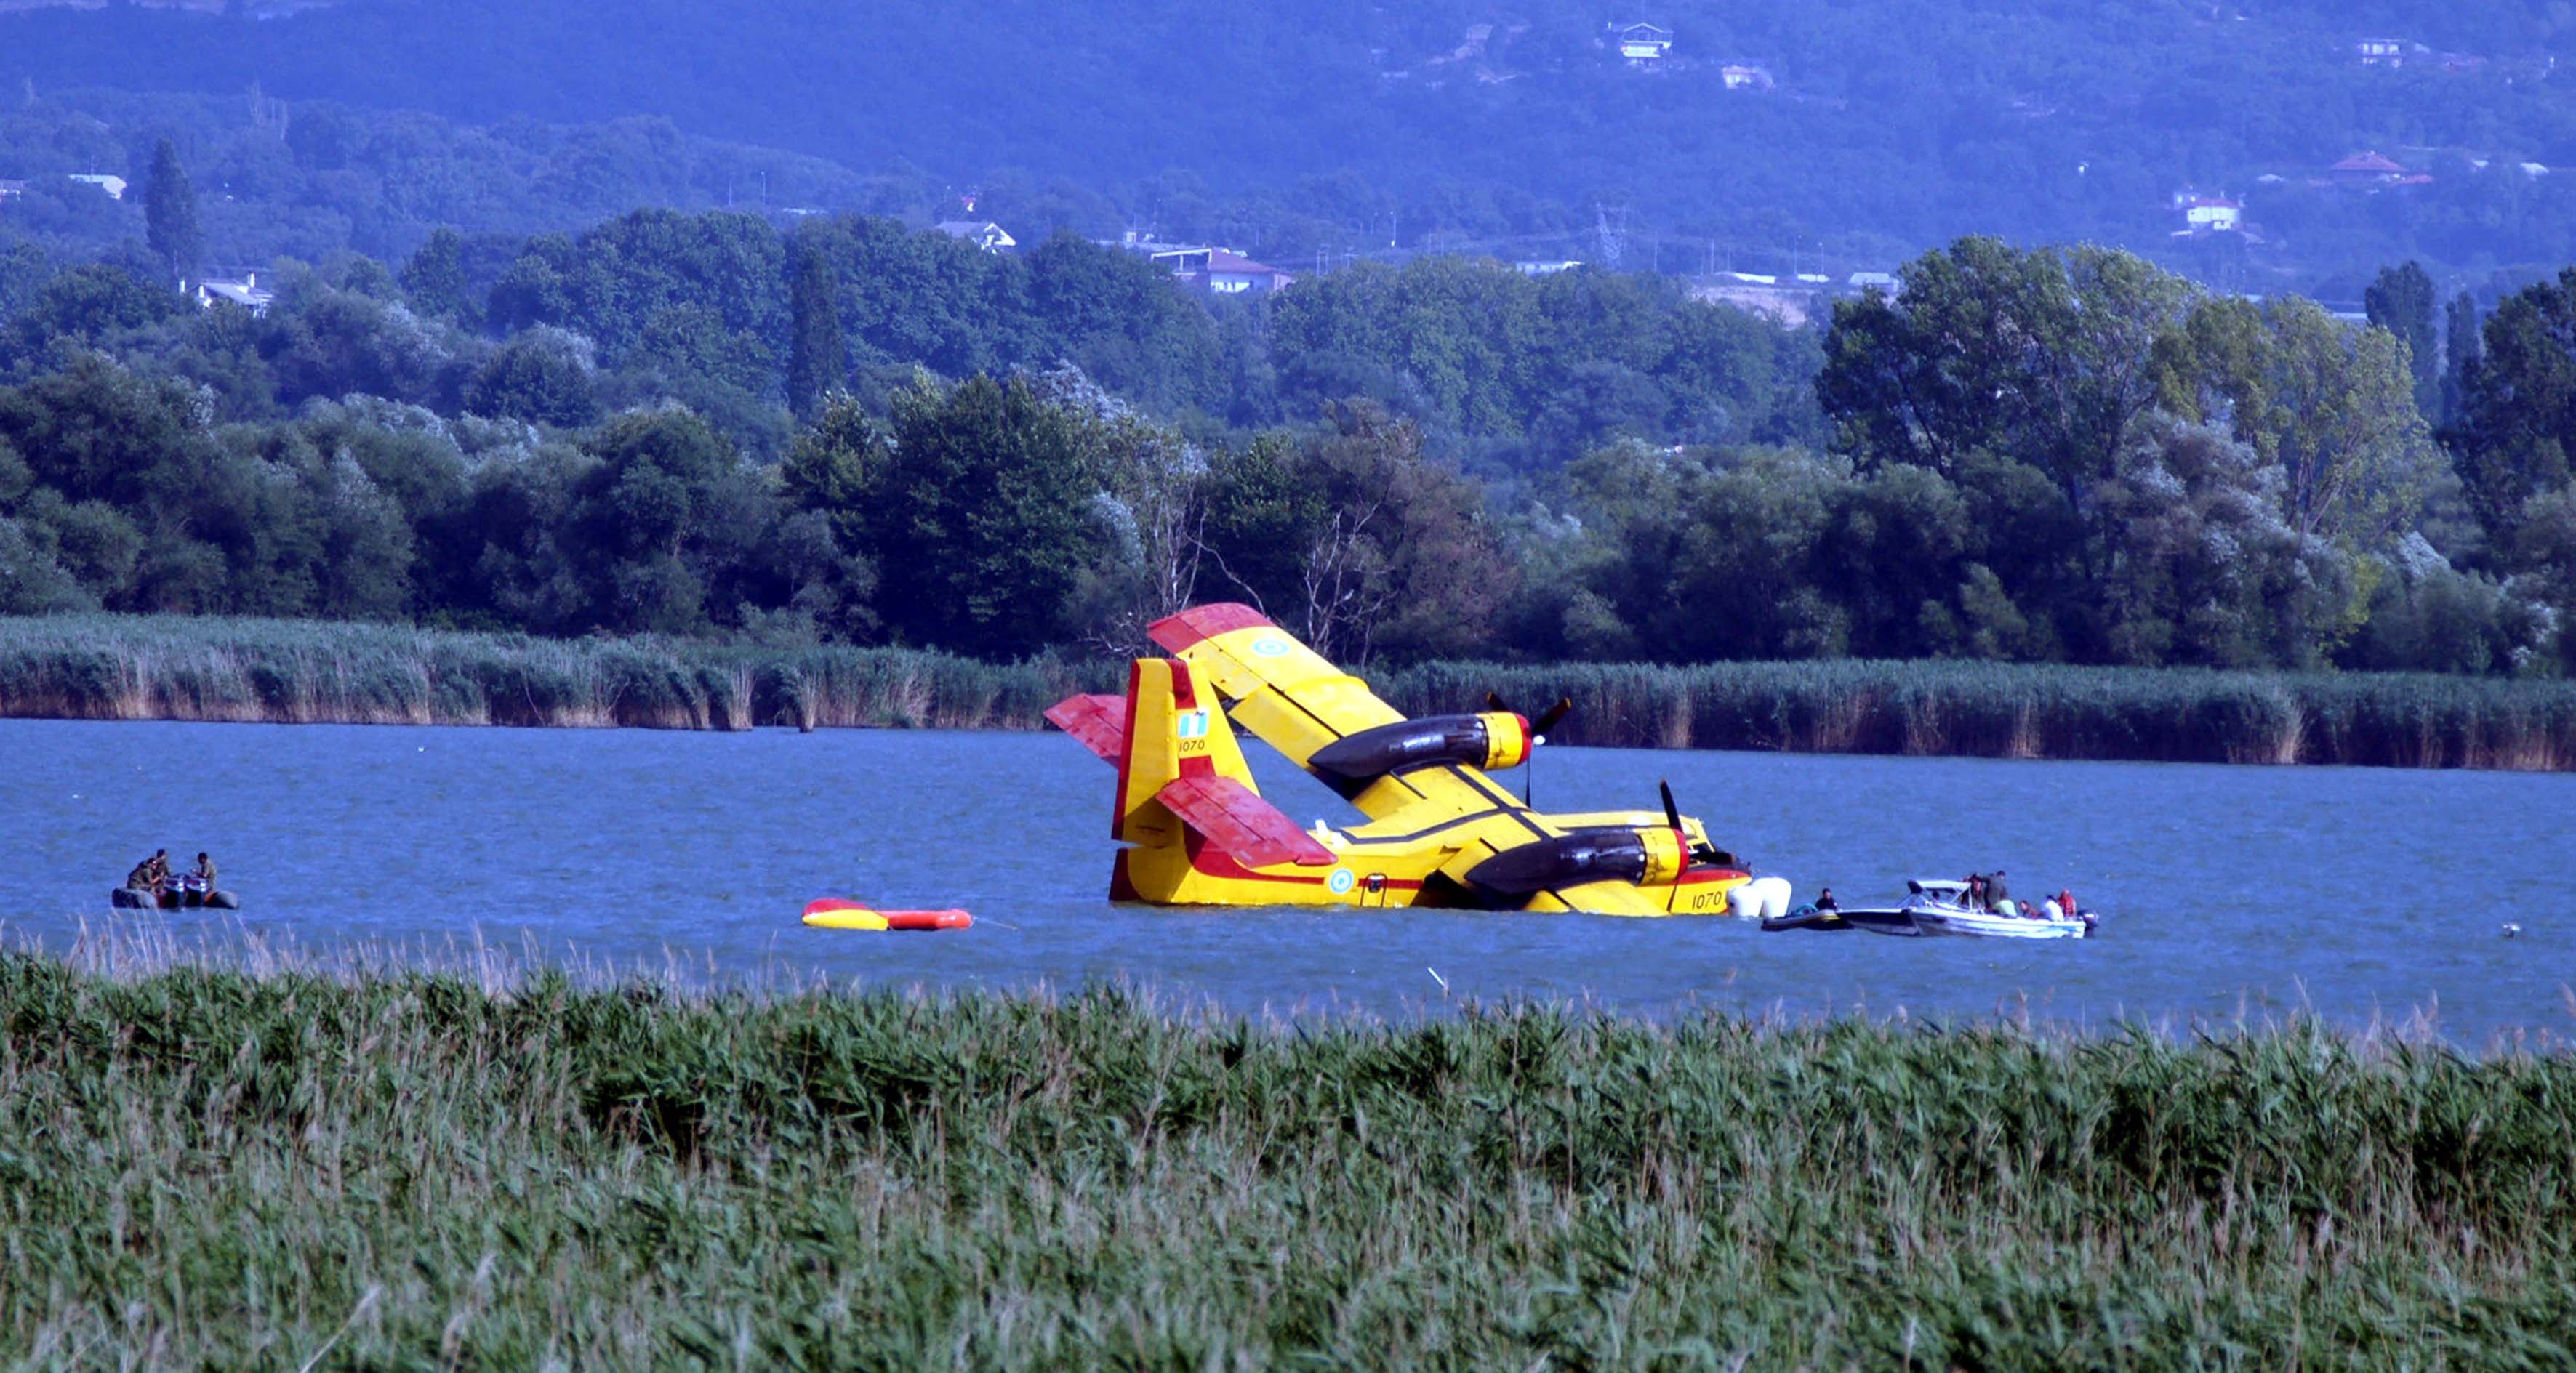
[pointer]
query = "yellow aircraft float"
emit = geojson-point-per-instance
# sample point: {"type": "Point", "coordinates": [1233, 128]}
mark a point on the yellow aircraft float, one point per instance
{"type": "Point", "coordinates": [1439, 830]}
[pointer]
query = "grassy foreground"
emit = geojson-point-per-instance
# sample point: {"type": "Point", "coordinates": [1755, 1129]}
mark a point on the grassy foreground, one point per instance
{"type": "Point", "coordinates": [210, 1168]}
{"type": "Point", "coordinates": [132, 668]}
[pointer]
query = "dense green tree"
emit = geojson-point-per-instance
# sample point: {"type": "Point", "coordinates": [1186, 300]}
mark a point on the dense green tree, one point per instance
{"type": "Point", "coordinates": [818, 359]}
{"type": "Point", "coordinates": [986, 519]}
{"type": "Point", "coordinates": [2402, 301]}
{"type": "Point", "coordinates": [170, 214]}
{"type": "Point", "coordinates": [434, 279]}
{"type": "Point", "coordinates": [79, 307]}
{"type": "Point", "coordinates": [2329, 404]}
{"type": "Point", "coordinates": [1259, 520]}
{"type": "Point", "coordinates": [2206, 569]}
{"type": "Point", "coordinates": [2518, 418]}
{"type": "Point", "coordinates": [668, 528]}
{"type": "Point", "coordinates": [2461, 351]}
{"type": "Point", "coordinates": [543, 376]}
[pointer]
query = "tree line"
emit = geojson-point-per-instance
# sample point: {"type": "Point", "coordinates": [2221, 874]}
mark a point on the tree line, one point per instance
{"type": "Point", "coordinates": [704, 424]}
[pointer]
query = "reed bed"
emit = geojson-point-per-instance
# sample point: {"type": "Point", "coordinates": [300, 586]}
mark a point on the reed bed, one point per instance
{"type": "Point", "coordinates": [2004, 710]}
{"type": "Point", "coordinates": [179, 668]}
{"type": "Point", "coordinates": [203, 1166]}
{"type": "Point", "coordinates": [111, 667]}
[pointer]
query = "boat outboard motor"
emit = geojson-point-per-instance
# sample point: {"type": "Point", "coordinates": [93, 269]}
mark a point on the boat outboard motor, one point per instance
{"type": "Point", "coordinates": [1493, 741]}
{"type": "Point", "coordinates": [1592, 855]}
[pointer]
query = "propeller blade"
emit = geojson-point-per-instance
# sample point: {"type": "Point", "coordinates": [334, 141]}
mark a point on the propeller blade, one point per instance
{"type": "Point", "coordinates": [1546, 724]}
{"type": "Point", "coordinates": [1494, 702]}
{"type": "Point", "coordinates": [1672, 813]}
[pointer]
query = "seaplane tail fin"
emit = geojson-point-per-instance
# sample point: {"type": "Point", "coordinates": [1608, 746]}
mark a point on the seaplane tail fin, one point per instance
{"type": "Point", "coordinates": [1170, 731]}
{"type": "Point", "coordinates": [1182, 771]}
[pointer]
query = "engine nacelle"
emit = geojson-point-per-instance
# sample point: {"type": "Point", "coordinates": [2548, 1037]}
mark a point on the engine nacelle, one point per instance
{"type": "Point", "coordinates": [1643, 856]}
{"type": "Point", "coordinates": [1493, 741]}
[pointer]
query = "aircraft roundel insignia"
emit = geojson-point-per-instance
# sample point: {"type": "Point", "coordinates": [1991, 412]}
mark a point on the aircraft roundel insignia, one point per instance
{"type": "Point", "coordinates": [1341, 881]}
{"type": "Point", "coordinates": [1270, 648]}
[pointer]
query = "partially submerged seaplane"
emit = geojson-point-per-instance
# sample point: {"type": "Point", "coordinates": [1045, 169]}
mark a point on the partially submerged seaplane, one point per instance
{"type": "Point", "coordinates": [1439, 830]}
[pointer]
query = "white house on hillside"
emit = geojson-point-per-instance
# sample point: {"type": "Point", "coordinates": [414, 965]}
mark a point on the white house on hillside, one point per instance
{"type": "Point", "coordinates": [244, 291]}
{"type": "Point", "coordinates": [113, 185]}
{"type": "Point", "coordinates": [982, 233]}
{"type": "Point", "coordinates": [1641, 43]}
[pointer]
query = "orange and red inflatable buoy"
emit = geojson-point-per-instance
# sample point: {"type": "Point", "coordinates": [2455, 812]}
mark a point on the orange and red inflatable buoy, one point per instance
{"type": "Point", "coordinates": [833, 913]}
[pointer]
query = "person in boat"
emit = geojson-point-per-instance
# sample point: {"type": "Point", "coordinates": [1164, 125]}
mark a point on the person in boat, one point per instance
{"type": "Point", "coordinates": [2066, 901]}
{"type": "Point", "coordinates": [142, 879]}
{"type": "Point", "coordinates": [205, 871]}
{"type": "Point", "coordinates": [1998, 899]}
{"type": "Point", "coordinates": [1825, 900]}
{"type": "Point", "coordinates": [160, 869]}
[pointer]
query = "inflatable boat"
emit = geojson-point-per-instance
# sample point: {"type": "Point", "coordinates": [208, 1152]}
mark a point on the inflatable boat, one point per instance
{"type": "Point", "coordinates": [177, 897]}
{"type": "Point", "coordinates": [1837, 921]}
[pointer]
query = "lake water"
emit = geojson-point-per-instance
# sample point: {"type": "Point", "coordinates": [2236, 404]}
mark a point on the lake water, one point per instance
{"type": "Point", "coordinates": [2359, 894]}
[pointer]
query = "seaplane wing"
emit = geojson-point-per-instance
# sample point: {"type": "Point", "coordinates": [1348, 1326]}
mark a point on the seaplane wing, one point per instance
{"type": "Point", "coordinates": [1328, 722]}
{"type": "Point", "coordinates": [1283, 691]}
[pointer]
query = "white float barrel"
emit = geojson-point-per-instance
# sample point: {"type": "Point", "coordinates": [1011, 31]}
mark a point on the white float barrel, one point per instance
{"type": "Point", "coordinates": [1745, 902]}
{"type": "Point", "coordinates": [1775, 896]}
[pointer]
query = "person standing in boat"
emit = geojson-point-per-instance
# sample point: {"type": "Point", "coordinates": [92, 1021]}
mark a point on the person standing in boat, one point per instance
{"type": "Point", "coordinates": [1998, 899]}
{"type": "Point", "coordinates": [205, 871]}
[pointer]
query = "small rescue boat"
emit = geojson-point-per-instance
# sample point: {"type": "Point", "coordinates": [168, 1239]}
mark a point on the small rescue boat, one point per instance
{"type": "Point", "coordinates": [183, 894]}
{"type": "Point", "coordinates": [833, 913]}
{"type": "Point", "coordinates": [1937, 908]}
{"type": "Point", "coordinates": [1942, 908]}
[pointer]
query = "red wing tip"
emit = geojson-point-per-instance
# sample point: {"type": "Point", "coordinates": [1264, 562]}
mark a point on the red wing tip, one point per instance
{"type": "Point", "coordinates": [1179, 631]}
{"type": "Point", "coordinates": [1063, 713]}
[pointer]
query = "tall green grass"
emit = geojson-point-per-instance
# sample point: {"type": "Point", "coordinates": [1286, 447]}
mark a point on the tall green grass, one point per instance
{"type": "Point", "coordinates": [133, 668]}
{"type": "Point", "coordinates": [2035, 711]}
{"type": "Point", "coordinates": [210, 1168]}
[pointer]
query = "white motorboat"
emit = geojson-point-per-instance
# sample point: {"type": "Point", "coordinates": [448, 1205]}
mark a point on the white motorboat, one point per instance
{"type": "Point", "coordinates": [1938, 907]}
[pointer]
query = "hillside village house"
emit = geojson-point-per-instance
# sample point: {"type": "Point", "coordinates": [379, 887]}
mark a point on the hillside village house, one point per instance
{"type": "Point", "coordinates": [2382, 52]}
{"type": "Point", "coordinates": [10, 190]}
{"type": "Point", "coordinates": [1642, 43]}
{"type": "Point", "coordinates": [113, 185]}
{"type": "Point", "coordinates": [2366, 168]}
{"type": "Point", "coordinates": [984, 234]}
{"type": "Point", "coordinates": [1221, 271]}
{"type": "Point", "coordinates": [2208, 214]}
{"type": "Point", "coordinates": [1745, 76]}
{"type": "Point", "coordinates": [244, 291]}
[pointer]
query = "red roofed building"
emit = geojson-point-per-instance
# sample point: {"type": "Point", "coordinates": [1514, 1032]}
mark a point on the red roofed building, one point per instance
{"type": "Point", "coordinates": [2367, 167]}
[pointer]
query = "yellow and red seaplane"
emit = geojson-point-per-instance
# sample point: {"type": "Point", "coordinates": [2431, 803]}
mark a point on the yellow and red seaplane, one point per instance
{"type": "Point", "coordinates": [1439, 830]}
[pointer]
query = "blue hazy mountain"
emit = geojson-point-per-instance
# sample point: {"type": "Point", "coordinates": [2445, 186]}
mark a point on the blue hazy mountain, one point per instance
{"type": "Point", "coordinates": [1764, 126]}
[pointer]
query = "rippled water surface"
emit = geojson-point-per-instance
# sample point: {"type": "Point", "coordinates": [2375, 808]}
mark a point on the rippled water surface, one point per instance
{"type": "Point", "coordinates": [2358, 893]}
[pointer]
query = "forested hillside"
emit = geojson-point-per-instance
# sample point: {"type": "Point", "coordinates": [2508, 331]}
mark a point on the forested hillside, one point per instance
{"type": "Point", "coordinates": [1875, 127]}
